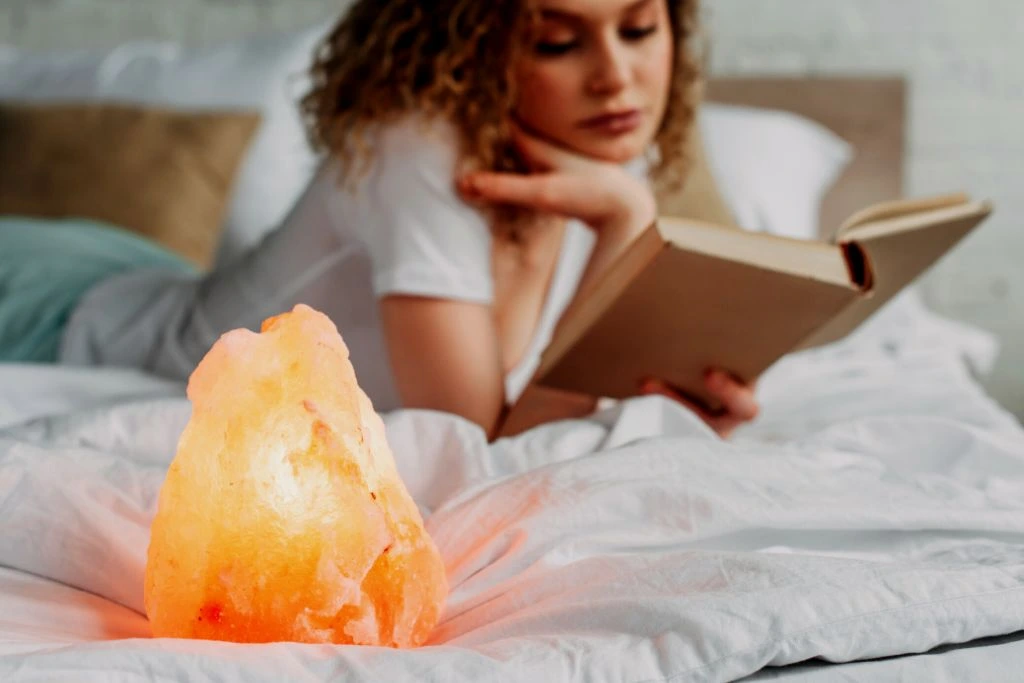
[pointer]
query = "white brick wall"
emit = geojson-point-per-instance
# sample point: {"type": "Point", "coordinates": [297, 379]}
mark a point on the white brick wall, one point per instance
{"type": "Point", "coordinates": [965, 60]}
{"type": "Point", "coordinates": [86, 23]}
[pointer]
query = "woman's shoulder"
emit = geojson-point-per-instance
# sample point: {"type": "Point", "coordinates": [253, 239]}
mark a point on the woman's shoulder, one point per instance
{"type": "Point", "coordinates": [414, 143]}
{"type": "Point", "coordinates": [406, 190]}
{"type": "Point", "coordinates": [423, 239]}
{"type": "Point", "coordinates": [405, 157]}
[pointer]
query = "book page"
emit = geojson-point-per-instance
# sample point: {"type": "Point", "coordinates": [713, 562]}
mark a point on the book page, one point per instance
{"type": "Point", "coordinates": [894, 209]}
{"type": "Point", "coordinates": [802, 258]}
{"type": "Point", "coordinates": [922, 220]}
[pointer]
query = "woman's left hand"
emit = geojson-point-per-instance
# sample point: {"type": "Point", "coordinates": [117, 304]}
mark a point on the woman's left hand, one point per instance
{"type": "Point", "coordinates": [739, 404]}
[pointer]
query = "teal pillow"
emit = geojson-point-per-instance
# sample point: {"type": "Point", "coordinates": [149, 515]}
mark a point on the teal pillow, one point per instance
{"type": "Point", "coordinates": [46, 265]}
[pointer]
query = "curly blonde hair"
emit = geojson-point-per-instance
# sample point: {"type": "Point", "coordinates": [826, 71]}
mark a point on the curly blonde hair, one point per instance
{"type": "Point", "coordinates": [454, 59]}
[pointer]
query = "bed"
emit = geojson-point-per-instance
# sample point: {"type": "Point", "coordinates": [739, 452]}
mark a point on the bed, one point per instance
{"type": "Point", "coordinates": [868, 527]}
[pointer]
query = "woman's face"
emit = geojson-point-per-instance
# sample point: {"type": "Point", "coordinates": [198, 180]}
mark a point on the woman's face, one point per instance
{"type": "Point", "coordinates": [596, 76]}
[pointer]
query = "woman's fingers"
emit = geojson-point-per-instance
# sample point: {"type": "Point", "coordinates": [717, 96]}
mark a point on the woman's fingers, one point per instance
{"type": "Point", "coordinates": [544, 192]}
{"type": "Point", "coordinates": [736, 397]}
{"type": "Point", "coordinates": [656, 387]}
{"type": "Point", "coordinates": [739, 404]}
{"type": "Point", "coordinates": [556, 193]}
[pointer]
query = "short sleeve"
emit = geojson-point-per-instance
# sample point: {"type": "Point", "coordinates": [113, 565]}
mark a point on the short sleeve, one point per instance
{"type": "Point", "coordinates": [422, 238]}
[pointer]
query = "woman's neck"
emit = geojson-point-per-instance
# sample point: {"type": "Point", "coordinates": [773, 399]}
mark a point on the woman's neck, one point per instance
{"type": "Point", "coordinates": [523, 267]}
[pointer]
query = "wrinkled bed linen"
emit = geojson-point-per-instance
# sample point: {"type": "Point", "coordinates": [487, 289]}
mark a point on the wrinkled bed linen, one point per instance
{"type": "Point", "coordinates": [877, 509]}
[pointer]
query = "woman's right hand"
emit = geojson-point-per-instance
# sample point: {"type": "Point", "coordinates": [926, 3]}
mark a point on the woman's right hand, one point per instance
{"type": "Point", "coordinates": [738, 400]}
{"type": "Point", "coordinates": [601, 194]}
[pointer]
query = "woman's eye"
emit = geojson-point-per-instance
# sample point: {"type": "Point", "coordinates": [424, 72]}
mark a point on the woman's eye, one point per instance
{"type": "Point", "coordinates": [638, 32]}
{"type": "Point", "coordinates": [554, 49]}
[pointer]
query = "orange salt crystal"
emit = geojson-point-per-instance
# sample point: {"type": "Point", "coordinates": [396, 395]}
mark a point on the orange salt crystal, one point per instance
{"type": "Point", "coordinates": [283, 517]}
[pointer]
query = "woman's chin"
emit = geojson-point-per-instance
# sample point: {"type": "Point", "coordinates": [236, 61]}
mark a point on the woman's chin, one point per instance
{"type": "Point", "coordinates": [618, 150]}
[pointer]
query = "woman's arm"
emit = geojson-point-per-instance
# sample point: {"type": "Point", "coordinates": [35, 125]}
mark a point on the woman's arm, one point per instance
{"type": "Point", "coordinates": [445, 356]}
{"type": "Point", "coordinates": [430, 256]}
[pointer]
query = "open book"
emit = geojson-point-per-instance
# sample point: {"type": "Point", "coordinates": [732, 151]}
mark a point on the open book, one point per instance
{"type": "Point", "coordinates": [687, 296]}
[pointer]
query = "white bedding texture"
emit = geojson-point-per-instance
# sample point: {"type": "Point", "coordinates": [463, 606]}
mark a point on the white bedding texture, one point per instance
{"type": "Point", "coordinates": [874, 512]}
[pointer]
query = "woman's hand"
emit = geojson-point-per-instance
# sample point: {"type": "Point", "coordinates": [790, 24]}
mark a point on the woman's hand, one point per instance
{"type": "Point", "coordinates": [601, 194]}
{"type": "Point", "coordinates": [738, 402]}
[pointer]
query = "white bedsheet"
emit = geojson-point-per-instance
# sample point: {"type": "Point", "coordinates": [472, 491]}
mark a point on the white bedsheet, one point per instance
{"type": "Point", "coordinates": [992, 660]}
{"type": "Point", "coordinates": [877, 509]}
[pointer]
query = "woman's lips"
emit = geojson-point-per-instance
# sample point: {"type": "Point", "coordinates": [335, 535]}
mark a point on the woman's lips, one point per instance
{"type": "Point", "coordinates": [616, 123]}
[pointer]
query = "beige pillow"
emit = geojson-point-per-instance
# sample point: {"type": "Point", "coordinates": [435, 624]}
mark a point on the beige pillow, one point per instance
{"type": "Point", "coordinates": [164, 174]}
{"type": "Point", "coordinates": [698, 198]}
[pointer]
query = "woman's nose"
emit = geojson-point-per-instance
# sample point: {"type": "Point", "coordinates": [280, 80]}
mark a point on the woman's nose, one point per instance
{"type": "Point", "coordinates": [610, 71]}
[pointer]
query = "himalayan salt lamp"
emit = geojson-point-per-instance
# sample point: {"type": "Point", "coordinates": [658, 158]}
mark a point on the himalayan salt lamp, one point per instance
{"type": "Point", "coordinates": [283, 517]}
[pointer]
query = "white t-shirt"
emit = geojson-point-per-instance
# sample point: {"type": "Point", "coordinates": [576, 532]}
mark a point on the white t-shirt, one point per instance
{"type": "Point", "coordinates": [402, 229]}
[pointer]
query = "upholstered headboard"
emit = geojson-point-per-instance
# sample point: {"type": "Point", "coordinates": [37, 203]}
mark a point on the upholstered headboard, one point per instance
{"type": "Point", "coordinates": [869, 113]}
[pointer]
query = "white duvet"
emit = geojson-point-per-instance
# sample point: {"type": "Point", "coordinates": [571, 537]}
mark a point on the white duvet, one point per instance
{"type": "Point", "coordinates": [876, 509]}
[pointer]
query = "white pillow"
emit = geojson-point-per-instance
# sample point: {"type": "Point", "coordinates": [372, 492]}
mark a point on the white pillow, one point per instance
{"type": "Point", "coordinates": [773, 168]}
{"type": "Point", "coordinates": [267, 73]}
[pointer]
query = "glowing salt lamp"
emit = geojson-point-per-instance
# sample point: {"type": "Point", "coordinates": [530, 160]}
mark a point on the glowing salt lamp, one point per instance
{"type": "Point", "coordinates": [283, 517]}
